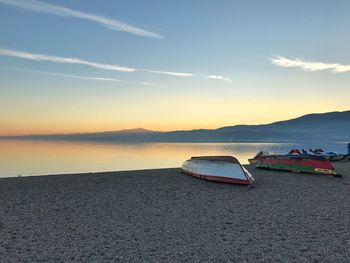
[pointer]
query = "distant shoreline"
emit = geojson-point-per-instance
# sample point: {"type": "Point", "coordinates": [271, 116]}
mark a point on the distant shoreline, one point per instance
{"type": "Point", "coordinates": [330, 126]}
{"type": "Point", "coordinates": [25, 138]}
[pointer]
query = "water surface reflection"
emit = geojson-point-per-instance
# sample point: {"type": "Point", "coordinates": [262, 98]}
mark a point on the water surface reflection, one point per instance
{"type": "Point", "coordinates": [20, 157]}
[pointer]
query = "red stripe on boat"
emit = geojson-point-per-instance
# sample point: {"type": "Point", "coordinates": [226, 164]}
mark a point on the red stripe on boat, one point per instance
{"type": "Point", "coordinates": [218, 178]}
{"type": "Point", "coordinates": [324, 164]}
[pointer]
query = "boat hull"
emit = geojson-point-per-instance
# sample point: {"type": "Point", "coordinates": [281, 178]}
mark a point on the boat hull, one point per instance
{"type": "Point", "coordinates": [217, 168]}
{"type": "Point", "coordinates": [300, 164]}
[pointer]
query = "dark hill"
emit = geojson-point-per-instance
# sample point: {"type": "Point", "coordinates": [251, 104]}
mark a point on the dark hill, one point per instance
{"type": "Point", "coordinates": [323, 126]}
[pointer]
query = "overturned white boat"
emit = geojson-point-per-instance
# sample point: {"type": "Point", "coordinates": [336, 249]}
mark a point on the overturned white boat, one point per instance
{"type": "Point", "coordinates": [225, 169]}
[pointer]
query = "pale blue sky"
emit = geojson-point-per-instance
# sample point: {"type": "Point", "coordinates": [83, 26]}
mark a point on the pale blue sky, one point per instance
{"type": "Point", "coordinates": [233, 39]}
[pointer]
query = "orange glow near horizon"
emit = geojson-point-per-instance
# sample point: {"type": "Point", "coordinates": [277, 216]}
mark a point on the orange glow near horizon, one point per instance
{"type": "Point", "coordinates": [177, 119]}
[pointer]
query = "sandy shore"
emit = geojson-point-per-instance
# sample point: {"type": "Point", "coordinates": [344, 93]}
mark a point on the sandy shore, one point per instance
{"type": "Point", "coordinates": [166, 216]}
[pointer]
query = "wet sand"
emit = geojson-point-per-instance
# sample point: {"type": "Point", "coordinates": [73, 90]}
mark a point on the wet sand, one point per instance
{"type": "Point", "coordinates": [165, 216]}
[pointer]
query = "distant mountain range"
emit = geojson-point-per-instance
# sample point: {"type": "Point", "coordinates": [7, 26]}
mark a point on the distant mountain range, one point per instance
{"type": "Point", "coordinates": [323, 126]}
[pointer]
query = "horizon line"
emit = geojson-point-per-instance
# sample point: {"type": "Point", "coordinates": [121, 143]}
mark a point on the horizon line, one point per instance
{"type": "Point", "coordinates": [161, 131]}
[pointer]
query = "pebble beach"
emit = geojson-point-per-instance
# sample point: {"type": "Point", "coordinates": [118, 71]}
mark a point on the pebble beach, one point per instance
{"type": "Point", "coordinates": [166, 216]}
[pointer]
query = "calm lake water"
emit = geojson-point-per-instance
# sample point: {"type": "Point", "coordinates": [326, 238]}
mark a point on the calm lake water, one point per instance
{"type": "Point", "coordinates": [52, 157]}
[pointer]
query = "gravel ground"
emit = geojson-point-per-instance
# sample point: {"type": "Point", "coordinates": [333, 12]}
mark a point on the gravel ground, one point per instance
{"type": "Point", "coordinates": [165, 216]}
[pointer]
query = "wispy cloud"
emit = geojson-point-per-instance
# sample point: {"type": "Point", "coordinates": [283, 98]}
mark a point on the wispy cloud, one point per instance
{"type": "Point", "coordinates": [219, 78]}
{"type": "Point", "coordinates": [64, 60]}
{"type": "Point", "coordinates": [308, 65]}
{"type": "Point", "coordinates": [177, 74]}
{"type": "Point", "coordinates": [113, 24]}
{"type": "Point", "coordinates": [82, 77]}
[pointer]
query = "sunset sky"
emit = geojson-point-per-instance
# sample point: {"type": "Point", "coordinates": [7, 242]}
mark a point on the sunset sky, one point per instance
{"type": "Point", "coordinates": [79, 66]}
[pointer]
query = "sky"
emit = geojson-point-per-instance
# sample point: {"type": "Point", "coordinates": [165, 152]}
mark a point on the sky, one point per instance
{"type": "Point", "coordinates": [84, 66]}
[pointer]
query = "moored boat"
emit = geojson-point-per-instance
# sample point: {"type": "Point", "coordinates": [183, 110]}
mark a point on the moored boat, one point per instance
{"type": "Point", "coordinates": [332, 156]}
{"type": "Point", "coordinates": [298, 163]}
{"type": "Point", "coordinates": [226, 169]}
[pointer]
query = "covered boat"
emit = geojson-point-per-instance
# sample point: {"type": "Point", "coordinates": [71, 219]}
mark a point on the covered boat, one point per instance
{"type": "Point", "coordinates": [332, 156]}
{"type": "Point", "coordinates": [298, 163]}
{"type": "Point", "coordinates": [225, 169]}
